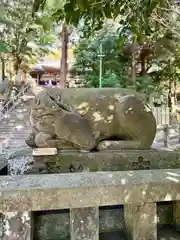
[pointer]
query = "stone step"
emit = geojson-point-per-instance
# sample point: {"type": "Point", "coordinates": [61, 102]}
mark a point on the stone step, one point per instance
{"type": "Point", "coordinates": [12, 132]}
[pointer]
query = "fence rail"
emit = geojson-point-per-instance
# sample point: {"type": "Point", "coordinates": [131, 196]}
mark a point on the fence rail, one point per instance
{"type": "Point", "coordinates": [161, 115]}
{"type": "Point", "coordinates": [83, 193]}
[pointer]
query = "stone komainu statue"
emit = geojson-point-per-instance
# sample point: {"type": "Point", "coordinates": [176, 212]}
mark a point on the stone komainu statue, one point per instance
{"type": "Point", "coordinates": [89, 119]}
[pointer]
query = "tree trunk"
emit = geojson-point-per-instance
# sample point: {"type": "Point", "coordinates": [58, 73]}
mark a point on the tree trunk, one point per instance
{"type": "Point", "coordinates": [174, 100]}
{"type": "Point", "coordinates": [64, 56]}
{"type": "Point", "coordinates": [172, 103]}
{"type": "Point", "coordinates": [143, 66]}
{"type": "Point", "coordinates": [2, 68]}
{"type": "Point", "coordinates": [17, 64]}
{"type": "Point", "coordinates": [169, 94]}
{"type": "Point", "coordinates": [133, 63]}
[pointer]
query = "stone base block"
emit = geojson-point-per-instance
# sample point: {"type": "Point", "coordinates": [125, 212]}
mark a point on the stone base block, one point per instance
{"type": "Point", "coordinates": [118, 145]}
{"type": "Point", "coordinates": [17, 226]}
{"type": "Point", "coordinates": [56, 224]}
{"type": "Point", "coordinates": [165, 213]}
{"type": "Point", "coordinates": [107, 161]}
{"type": "Point", "coordinates": [84, 224]}
{"type": "Point", "coordinates": [176, 214]}
{"type": "Point", "coordinates": [141, 221]}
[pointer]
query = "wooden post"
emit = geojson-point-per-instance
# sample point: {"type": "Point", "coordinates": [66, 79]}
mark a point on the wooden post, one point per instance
{"type": "Point", "coordinates": [141, 221]}
{"type": "Point", "coordinates": [166, 133]}
{"type": "Point", "coordinates": [84, 223]}
{"type": "Point", "coordinates": [25, 76]}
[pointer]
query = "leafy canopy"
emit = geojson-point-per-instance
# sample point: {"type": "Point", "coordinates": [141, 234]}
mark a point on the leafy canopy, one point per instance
{"type": "Point", "coordinates": [29, 36]}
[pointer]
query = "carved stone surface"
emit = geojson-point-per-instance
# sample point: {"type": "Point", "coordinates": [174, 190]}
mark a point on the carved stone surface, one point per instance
{"type": "Point", "coordinates": [176, 214]}
{"type": "Point", "coordinates": [56, 225]}
{"type": "Point", "coordinates": [17, 226]}
{"type": "Point", "coordinates": [165, 213]}
{"type": "Point", "coordinates": [116, 145]}
{"type": "Point", "coordinates": [77, 190]}
{"type": "Point", "coordinates": [84, 223]}
{"type": "Point", "coordinates": [85, 118]}
{"type": "Point", "coordinates": [141, 221]}
{"type": "Point", "coordinates": [106, 161]}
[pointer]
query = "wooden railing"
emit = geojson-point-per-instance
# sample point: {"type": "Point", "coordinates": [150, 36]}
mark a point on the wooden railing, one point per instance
{"type": "Point", "coordinates": [83, 193]}
{"type": "Point", "coordinates": [12, 103]}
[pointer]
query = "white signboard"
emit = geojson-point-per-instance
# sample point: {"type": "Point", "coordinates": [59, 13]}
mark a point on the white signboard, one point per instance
{"type": "Point", "coordinates": [44, 151]}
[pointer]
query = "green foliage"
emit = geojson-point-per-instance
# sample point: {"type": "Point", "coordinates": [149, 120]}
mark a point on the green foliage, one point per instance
{"type": "Point", "coordinates": [146, 85]}
{"type": "Point", "coordinates": [152, 27]}
{"type": "Point", "coordinates": [3, 47]}
{"type": "Point", "coordinates": [109, 79]}
{"type": "Point", "coordinates": [136, 13]}
{"type": "Point", "coordinates": [114, 64]}
{"type": "Point", "coordinates": [3, 19]}
{"type": "Point", "coordinates": [29, 36]}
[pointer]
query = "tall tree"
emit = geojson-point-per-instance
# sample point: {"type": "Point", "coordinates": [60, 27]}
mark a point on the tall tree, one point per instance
{"type": "Point", "coordinates": [57, 10]}
{"type": "Point", "coordinates": [28, 36]}
{"type": "Point", "coordinates": [134, 15]}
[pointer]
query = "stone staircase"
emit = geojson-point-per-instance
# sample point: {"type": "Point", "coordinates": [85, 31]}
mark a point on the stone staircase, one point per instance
{"type": "Point", "coordinates": [14, 129]}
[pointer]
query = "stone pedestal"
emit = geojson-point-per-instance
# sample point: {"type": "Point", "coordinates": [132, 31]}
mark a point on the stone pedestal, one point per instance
{"type": "Point", "coordinates": [18, 225]}
{"type": "Point", "coordinates": [51, 225]}
{"type": "Point", "coordinates": [141, 221]}
{"type": "Point", "coordinates": [84, 223]}
{"type": "Point", "coordinates": [123, 160]}
{"type": "Point", "coordinates": [56, 225]}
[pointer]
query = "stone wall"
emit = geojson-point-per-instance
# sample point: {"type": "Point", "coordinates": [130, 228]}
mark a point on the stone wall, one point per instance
{"type": "Point", "coordinates": [55, 224]}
